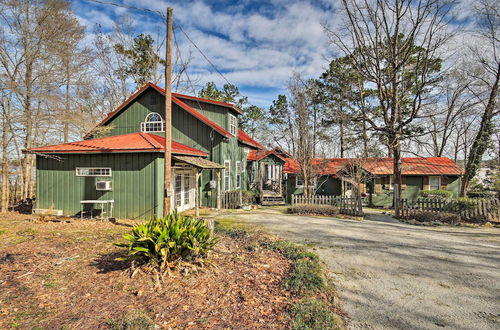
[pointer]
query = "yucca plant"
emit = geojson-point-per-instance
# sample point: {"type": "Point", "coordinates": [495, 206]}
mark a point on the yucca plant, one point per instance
{"type": "Point", "coordinates": [163, 241]}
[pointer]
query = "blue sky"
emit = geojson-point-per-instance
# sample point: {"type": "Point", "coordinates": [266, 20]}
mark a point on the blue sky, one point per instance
{"type": "Point", "coordinates": [256, 44]}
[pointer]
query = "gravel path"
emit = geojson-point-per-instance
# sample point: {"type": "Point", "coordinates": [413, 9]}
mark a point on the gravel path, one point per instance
{"type": "Point", "coordinates": [391, 275]}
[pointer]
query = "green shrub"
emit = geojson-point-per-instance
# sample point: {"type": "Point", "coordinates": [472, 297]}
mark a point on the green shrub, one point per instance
{"type": "Point", "coordinates": [443, 217]}
{"type": "Point", "coordinates": [303, 209]}
{"type": "Point", "coordinates": [465, 204]}
{"type": "Point", "coordinates": [444, 194]}
{"type": "Point", "coordinates": [133, 320]}
{"type": "Point", "coordinates": [312, 314]}
{"type": "Point", "coordinates": [291, 250]}
{"type": "Point", "coordinates": [482, 194]}
{"type": "Point", "coordinates": [160, 241]}
{"type": "Point", "coordinates": [305, 277]}
{"type": "Point", "coordinates": [248, 197]}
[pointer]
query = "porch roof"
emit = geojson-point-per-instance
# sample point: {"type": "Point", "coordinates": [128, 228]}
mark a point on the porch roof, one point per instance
{"type": "Point", "coordinates": [133, 142]}
{"type": "Point", "coordinates": [198, 162]}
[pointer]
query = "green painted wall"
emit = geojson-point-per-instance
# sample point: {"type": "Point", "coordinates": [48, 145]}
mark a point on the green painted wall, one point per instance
{"type": "Point", "coordinates": [329, 186]}
{"type": "Point", "coordinates": [138, 177]}
{"type": "Point", "coordinates": [217, 114]}
{"type": "Point", "coordinates": [332, 186]}
{"type": "Point", "coordinates": [133, 177]}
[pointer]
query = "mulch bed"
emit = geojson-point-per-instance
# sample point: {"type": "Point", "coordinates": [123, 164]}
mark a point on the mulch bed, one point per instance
{"type": "Point", "coordinates": [55, 275]}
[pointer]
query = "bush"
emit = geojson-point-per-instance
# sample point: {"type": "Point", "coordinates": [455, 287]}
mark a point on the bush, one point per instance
{"type": "Point", "coordinates": [482, 194]}
{"type": "Point", "coordinates": [133, 320]}
{"type": "Point", "coordinates": [304, 209]}
{"type": "Point", "coordinates": [312, 314]}
{"type": "Point", "coordinates": [444, 194]}
{"type": "Point", "coordinates": [160, 241]}
{"type": "Point", "coordinates": [305, 277]}
{"type": "Point", "coordinates": [291, 251]}
{"type": "Point", "coordinates": [443, 217]}
{"type": "Point", "coordinates": [248, 197]}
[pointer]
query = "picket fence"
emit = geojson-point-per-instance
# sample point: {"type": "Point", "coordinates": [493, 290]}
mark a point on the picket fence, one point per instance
{"type": "Point", "coordinates": [488, 208]}
{"type": "Point", "coordinates": [232, 199]}
{"type": "Point", "coordinates": [346, 205]}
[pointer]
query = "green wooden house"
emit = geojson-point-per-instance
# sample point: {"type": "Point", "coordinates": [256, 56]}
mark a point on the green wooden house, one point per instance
{"type": "Point", "coordinates": [121, 161]}
{"type": "Point", "coordinates": [337, 177]}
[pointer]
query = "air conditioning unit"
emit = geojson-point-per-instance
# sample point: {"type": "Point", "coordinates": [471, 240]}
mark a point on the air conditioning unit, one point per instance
{"type": "Point", "coordinates": [104, 185]}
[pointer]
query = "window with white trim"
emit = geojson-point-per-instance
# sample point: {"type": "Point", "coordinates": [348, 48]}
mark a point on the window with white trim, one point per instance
{"type": "Point", "coordinates": [233, 124]}
{"type": "Point", "coordinates": [178, 190]}
{"type": "Point", "coordinates": [434, 182]}
{"type": "Point", "coordinates": [153, 123]}
{"type": "Point", "coordinates": [299, 182]}
{"type": "Point", "coordinates": [227, 174]}
{"type": "Point", "coordinates": [93, 171]}
{"type": "Point", "coordinates": [238, 175]}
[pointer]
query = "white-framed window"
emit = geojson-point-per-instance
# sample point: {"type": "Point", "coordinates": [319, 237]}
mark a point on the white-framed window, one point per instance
{"type": "Point", "coordinates": [178, 190]}
{"type": "Point", "coordinates": [187, 180]}
{"type": "Point", "coordinates": [434, 182]}
{"type": "Point", "coordinates": [153, 123]}
{"type": "Point", "coordinates": [238, 174]}
{"type": "Point", "coordinates": [233, 124]}
{"type": "Point", "coordinates": [299, 181]}
{"type": "Point", "coordinates": [227, 175]}
{"type": "Point", "coordinates": [93, 171]}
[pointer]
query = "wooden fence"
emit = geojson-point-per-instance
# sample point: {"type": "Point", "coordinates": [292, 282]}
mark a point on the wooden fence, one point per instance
{"type": "Point", "coordinates": [488, 208]}
{"type": "Point", "coordinates": [231, 199]}
{"type": "Point", "coordinates": [346, 205]}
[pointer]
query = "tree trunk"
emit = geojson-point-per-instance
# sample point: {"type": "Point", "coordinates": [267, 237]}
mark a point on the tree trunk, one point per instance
{"type": "Point", "coordinates": [396, 150]}
{"type": "Point", "coordinates": [26, 160]}
{"type": "Point", "coordinates": [342, 147]}
{"type": "Point", "coordinates": [66, 114]}
{"type": "Point", "coordinates": [5, 157]}
{"type": "Point", "coordinates": [480, 144]}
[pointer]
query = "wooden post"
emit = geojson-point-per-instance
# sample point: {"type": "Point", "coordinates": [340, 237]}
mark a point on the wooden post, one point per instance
{"type": "Point", "coordinates": [217, 183]}
{"type": "Point", "coordinates": [197, 193]}
{"type": "Point", "coordinates": [261, 188]}
{"type": "Point", "coordinates": [168, 116]}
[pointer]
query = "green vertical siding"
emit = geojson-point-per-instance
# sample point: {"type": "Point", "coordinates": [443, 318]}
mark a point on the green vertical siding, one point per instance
{"type": "Point", "coordinates": [215, 113]}
{"type": "Point", "coordinates": [133, 176]}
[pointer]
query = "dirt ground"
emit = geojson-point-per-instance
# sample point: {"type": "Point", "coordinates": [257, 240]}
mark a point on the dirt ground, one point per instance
{"type": "Point", "coordinates": [64, 275]}
{"type": "Point", "coordinates": [391, 275]}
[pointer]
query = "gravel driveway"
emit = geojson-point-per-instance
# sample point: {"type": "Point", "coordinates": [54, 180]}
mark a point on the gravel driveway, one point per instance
{"type": "Point", "coordinates": [391, 275]}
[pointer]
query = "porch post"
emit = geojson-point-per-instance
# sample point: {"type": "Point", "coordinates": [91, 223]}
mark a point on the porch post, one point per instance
{"type": "Point", "coordinates": [280, 178]}
{"type": "Point", "coordinates": [197, 193]}
{"type": "Point", "coordinates": [260, 179]}
{"type": "Point", "coordinates": [218, 188]}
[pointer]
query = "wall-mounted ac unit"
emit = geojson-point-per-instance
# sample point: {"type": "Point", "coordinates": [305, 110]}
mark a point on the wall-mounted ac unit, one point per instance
{"type": "Point", "coordinates": [103, 185]}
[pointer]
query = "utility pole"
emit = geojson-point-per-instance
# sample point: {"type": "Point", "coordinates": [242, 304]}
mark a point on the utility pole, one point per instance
{"type": "Point", "coordinates": [168, 115]}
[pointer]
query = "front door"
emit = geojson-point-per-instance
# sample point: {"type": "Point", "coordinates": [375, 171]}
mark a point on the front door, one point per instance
{"type": "Point", "coordinates": [184, 189]}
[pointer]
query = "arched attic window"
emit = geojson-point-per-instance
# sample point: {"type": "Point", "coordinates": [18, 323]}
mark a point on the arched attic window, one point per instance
{"type": "Point", "coordinates": [153, 123]}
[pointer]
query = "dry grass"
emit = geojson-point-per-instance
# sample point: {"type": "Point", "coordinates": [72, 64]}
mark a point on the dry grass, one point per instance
{"type": "Point", "coordinates": [64, 275]}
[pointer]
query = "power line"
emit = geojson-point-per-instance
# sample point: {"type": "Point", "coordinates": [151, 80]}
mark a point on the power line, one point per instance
{"type": "Point", "coordinates": [203, 54]}
{"type": "Point", "coordinates": [109, 3]}
{"type": "Point", "coordinates": [164, 17]}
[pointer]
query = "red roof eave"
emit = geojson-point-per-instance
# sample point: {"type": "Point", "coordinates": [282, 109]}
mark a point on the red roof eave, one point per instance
{"type": "Point", "coordinates": [194, 98]}
{"type": "Point", "coordinates": [183, 105]}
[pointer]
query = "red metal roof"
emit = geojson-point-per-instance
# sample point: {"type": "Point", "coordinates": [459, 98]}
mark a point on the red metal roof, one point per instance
{"type": "Point", "coordinates": [245, 138]}
{"type": "Point", "coordinates": [260, 154]}
{"type": "Point", "coordinates": [175, 100]}
{"type": "Point", "coordinates": [134, 142]}
{"type": "Point", "coordinates": [383, 166]}
{"type": "Point", "coordinates": [194, 98]}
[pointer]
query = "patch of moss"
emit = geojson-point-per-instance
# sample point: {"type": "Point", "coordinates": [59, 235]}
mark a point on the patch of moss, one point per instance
{"type": "Point", "coordinates": [306, 277]}
{"type": "Point", "coordinates": [134, 319]}
{"type": "Point", "coordinates": [312, 314]}
{"type": "Point", "coordinates": [291, 250]}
